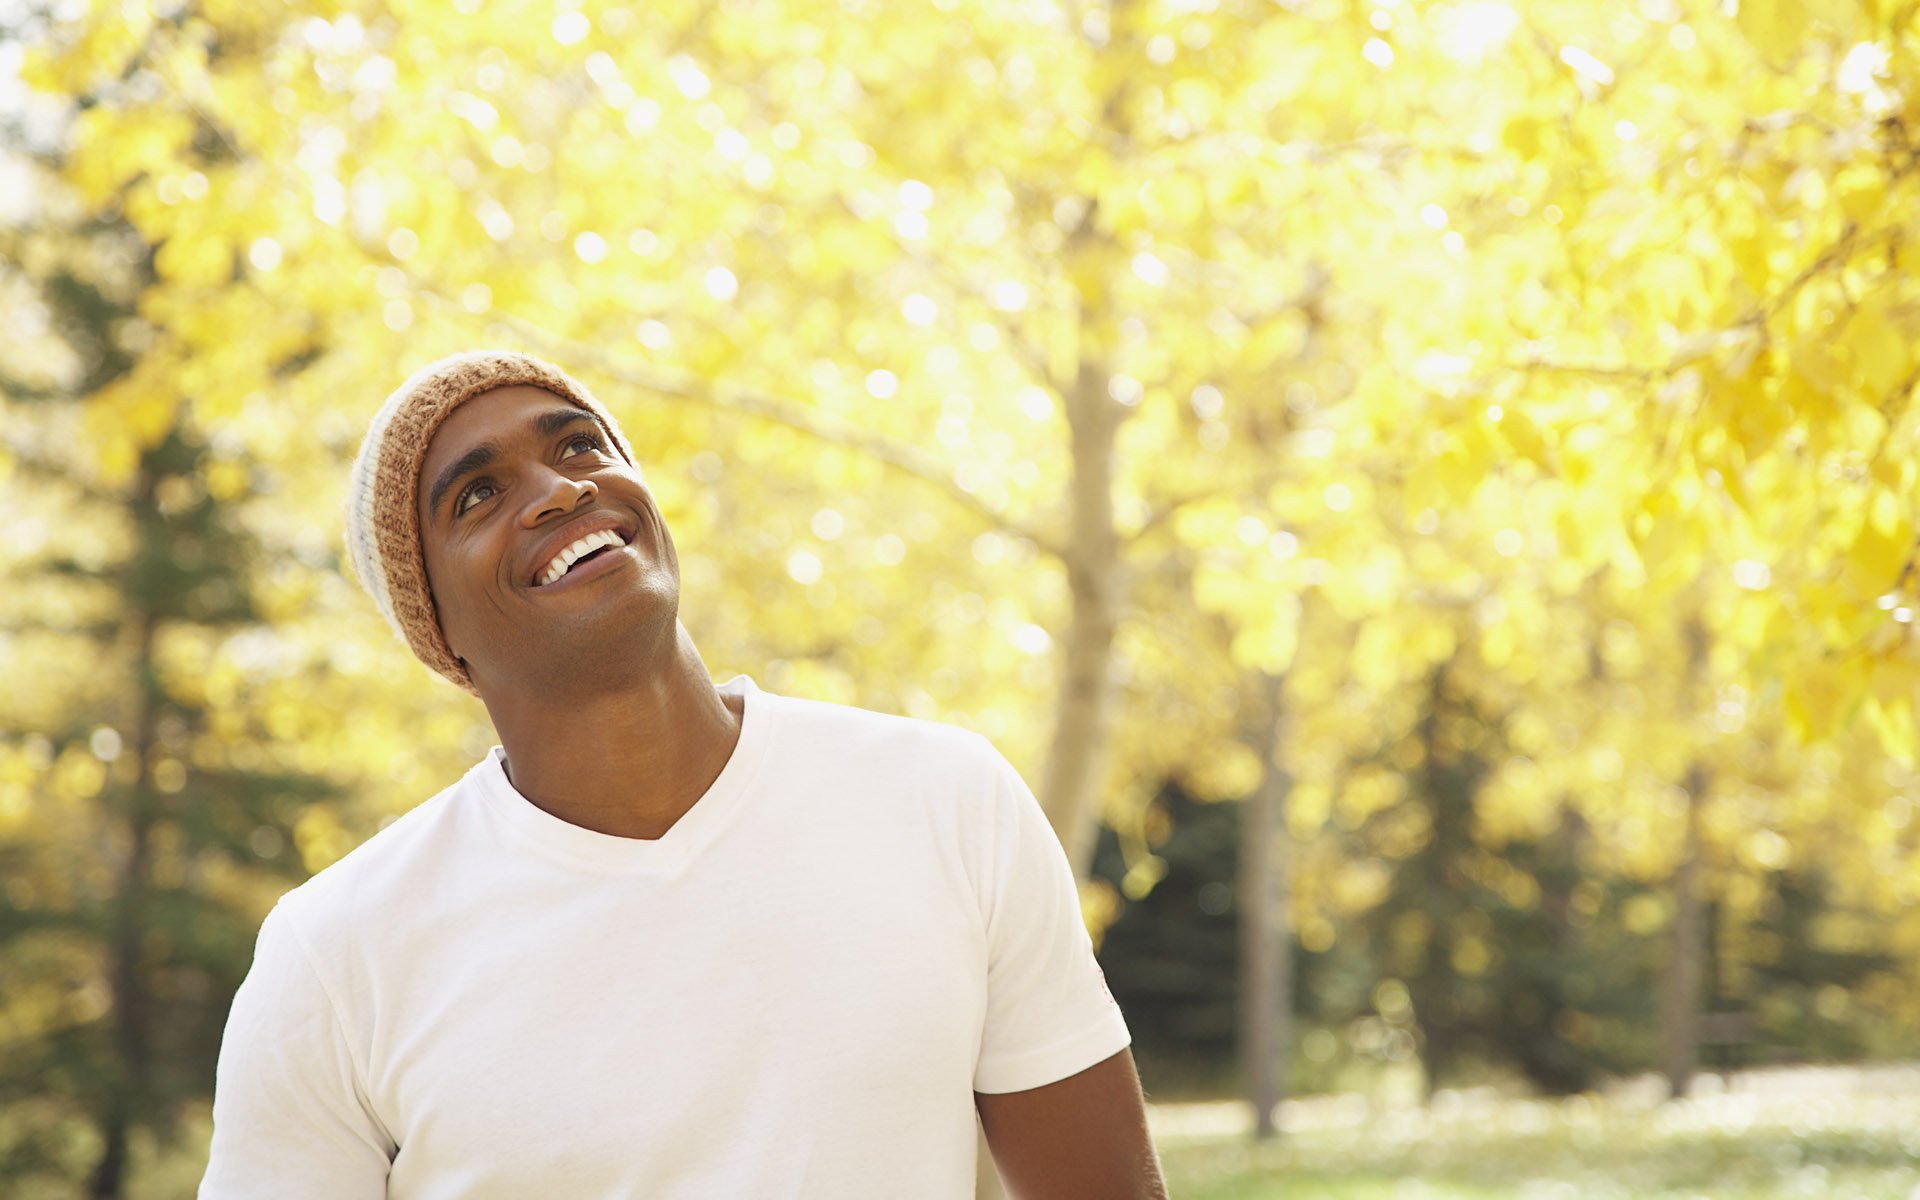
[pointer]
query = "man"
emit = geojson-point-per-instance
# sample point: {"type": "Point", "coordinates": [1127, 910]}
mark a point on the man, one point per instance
{"type": "Point", "coordinates": [668, 939]}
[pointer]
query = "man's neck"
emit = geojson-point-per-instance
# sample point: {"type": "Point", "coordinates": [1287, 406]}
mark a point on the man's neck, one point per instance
{"type": "Point", "coordinates": [628, 761]}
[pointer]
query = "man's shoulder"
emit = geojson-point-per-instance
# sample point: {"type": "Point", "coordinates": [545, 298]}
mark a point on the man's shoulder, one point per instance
{"type": "Point", "coordinates": [840, 729]}
{"type": "Point", "coordinates": [399, 851]}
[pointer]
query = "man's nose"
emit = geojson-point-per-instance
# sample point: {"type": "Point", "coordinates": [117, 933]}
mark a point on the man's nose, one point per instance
{"type": "Point", "coordinates": [555, 493]}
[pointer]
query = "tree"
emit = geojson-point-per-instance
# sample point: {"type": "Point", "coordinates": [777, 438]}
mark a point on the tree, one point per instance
{"type": "Point", "coordinates": [155, 829]}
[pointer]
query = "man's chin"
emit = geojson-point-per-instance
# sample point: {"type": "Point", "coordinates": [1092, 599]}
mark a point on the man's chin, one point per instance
{"type": "Point", "coordinates": [611, 644]}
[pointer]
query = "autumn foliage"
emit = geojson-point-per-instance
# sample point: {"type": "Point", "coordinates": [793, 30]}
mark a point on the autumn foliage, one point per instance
{"type": "Point", "coordinates": [1469, 390]}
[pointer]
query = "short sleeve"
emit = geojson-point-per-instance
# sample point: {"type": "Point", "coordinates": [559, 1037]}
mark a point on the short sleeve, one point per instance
{"type": "Point", "coordinates": [1049, 1014]}
{"type": "Point", "coordinates": [290, 1118]}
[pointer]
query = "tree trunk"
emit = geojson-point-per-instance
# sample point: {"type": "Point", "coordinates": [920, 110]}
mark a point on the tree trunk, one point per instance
{"type": "Point", "coordinates": [110, 1171]}
{"type": "Point", "coordinates": [1266, 928]}
{"type": "Point", "coordinates": [1680, 989]}
{"type": "Point", "coordinates": [1077, 758]}
{"type": "Point", "coordinates": [131, 1041]}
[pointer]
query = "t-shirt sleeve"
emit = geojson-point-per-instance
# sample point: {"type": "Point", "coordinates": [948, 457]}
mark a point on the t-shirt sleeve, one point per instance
{"type": "Point", "coordinates": [1049, 1014]}
{"type": "Point", "coordinates": [290, 1117]}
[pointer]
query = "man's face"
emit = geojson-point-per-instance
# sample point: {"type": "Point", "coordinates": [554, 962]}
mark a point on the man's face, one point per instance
{"type": "Point", "coordinates": [517, 481]}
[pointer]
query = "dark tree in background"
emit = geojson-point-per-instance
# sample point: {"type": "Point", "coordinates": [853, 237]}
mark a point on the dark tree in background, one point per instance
{"type": "Point", "coordinates": [1170, 957]}
{"type": "Point", "coordinates": [1504, 960]}
{"type": "Point", "coordinates": [131, 895]}
{"type": "Point", "coordinates": [1524, 959]}
{"type": "Point", "coordinates": [1805, 985]}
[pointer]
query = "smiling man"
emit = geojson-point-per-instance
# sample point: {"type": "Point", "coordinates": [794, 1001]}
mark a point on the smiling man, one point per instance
{"type": "Point", "coordinates": [669, 939]}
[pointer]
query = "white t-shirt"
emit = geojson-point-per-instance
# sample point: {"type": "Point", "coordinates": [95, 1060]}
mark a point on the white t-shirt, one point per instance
{"type": "Point", "coordinates": [793, 993]}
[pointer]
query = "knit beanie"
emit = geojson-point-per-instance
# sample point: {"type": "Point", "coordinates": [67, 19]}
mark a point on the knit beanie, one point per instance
{"type": "Point", "coordinates": [383, 515]}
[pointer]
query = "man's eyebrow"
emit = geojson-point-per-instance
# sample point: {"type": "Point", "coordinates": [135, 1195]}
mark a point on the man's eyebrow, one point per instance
{"type": "Point", "coordinates": [545, 424]}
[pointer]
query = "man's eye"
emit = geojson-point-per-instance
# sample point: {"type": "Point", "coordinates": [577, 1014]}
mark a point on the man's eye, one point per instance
{"type": "Point", "coordinates": [578, 440]}
{"type": "Point", "coordinates": [474, 494]}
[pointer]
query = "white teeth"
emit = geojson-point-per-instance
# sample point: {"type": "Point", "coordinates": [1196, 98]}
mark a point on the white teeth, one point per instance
{"type": "Point", "coordinates": [563, 561]}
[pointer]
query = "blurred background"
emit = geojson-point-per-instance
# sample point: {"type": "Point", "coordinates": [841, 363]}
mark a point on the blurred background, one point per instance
{"type": "Point", "coordinates": [1423, 489]}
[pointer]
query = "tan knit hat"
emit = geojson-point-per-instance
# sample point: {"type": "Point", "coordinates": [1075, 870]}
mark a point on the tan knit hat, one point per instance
{"type": "Point", "coordinates": [383, 517]}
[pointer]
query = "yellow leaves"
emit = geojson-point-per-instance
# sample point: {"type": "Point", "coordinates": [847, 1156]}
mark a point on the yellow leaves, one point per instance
{"type": "Point", "coordinates": [1819, 696]}
{"type": "Point", "coordinates": [125, 418]}
{"type": "Point", "coordinates": [1451, 471]}
{"type": "Point", "coordinates": [1861, 191]}
{"type": "Point", "coordinates": [1525, 136]}
{"type": "Point", "coordinates": [1099, 907]}
{"type": "Point", "coordinates": [1867, 431]}
{"type": "Point", "coordinates": [99, 53]}
{"type": "Point", "coordinates": [113, 146]}
{"type": "Point", "coordinates": [1227, 771]}
{"type": "Point", "coordinates": [320, 837]}
{"type": "Point", "coordinates": [227, 480]}
{"type": "Point", "coordinates": [1751, 622]}
{"type": "Point", "coordinates": [1645, 914]}
{"type": "Point", "coordinates": [1518, 430]}
{"type": "Point", "coordinates": [1513, 806]}
{"type": "Point", "coordinates": [1359, 885]}
{"type": "Point", "coordinates": [1877, 341]}
{"type": "Point", "coordinates": [1092, 276]}
{"type": "Point", "coordinates": [1233, 191]}
{"type": "Point", "coordinates": [1882, 12]}
{"type": "Point", "coordinates": [1219, 589]}
{"type": "Point", "coordinates": [1843, 17]}
{"type": "Point", "coordinates": [76, 775]}
{"type": "Point", "coordinates": [1275, 340]}
{"type": "Point", "coordinates": [1264, 612]}
{"type": "Point", "coordinates": [1173, 200]}
{"type": "Point", "coordinates": [1141, 875]}
{"type": "Point", "coordinates": [1752, 408]}
{"type": "Point", "coordinates": [1888, 514]}
{"type": "Point", "coordinates": [1777, 28]}
{"type": "Point", "coordinates": [1492, 225]}
{"type": "Point", "coordinates": [1471, 956]}
{"type": "Point", "coordinates": [1882, 546]}
{"type": "Point", "coordinates": [1751, 250]}
{"type": "Point", "coordinates": [1309, 803]}
{"type": "Point", "coordinates": [1269, 645]}
{"type": "Point", "coordinates": [1376, 661]}
{"type": "Point", "coordinates": [1578, 452]}
{"type": "Point", "coordinates": [1826, 609]}
{"type": "Point", "coordinates": [1660, 535]}
{"type": "Point", "coordinates": [194, 262]}
{"type": "Point", "coordinates": [1498, 645]}
{"type": "Point", "coordinates": [1894, 720]}
{"type": "Point", "coordinates": [1430, 643]}
{"type": "Point", "coordinates": [1732, 480]}
{"type": "Point", "coordinates": [1369, 789]}
{"type": "Point", "coordinates": [1120, 201]}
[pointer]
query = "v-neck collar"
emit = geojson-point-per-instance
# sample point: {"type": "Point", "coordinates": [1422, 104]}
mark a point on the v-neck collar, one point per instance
{"type": "Point", "coordinates": [525, 823]}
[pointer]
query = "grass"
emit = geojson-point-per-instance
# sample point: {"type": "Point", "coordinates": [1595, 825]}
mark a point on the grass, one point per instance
{"type": "Point", "coordinates": [1842, 1133]}
{"type": "Point", "coordinates": [1830, 1133]}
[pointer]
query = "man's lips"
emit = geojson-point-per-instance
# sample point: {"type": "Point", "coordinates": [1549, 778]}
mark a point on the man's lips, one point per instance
{"type": "Point", "coordinates": [566, 535]}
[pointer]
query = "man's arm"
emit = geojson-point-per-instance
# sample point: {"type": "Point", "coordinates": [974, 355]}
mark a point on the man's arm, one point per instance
{"type": "Point", "coordinates": [1081, 1138]}
{"type": "Point", "coordinates": [289, 1116]}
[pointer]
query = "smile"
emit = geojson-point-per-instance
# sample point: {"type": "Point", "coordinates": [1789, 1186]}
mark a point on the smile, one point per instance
{"type": "Point", "coordinates": [579, 551]}
{"type": "Point", "coordinates": [587, 568]}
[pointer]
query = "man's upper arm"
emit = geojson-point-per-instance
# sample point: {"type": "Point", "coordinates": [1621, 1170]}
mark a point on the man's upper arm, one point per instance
{"type": "Point", "coordinates": [290, 1118]}
{"type": "Point", "coordinates": [1054, 1083]}
{"type": "Point", "coordinates": [1083, 1136]}
{"type": "Point", "coordinates": [1049, 1013]}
